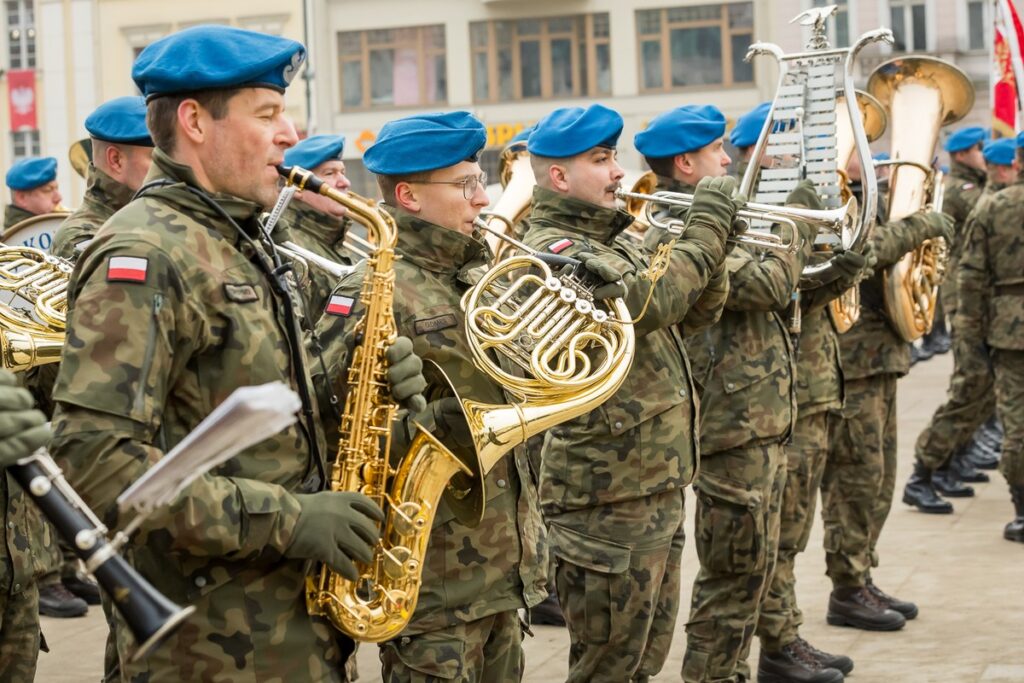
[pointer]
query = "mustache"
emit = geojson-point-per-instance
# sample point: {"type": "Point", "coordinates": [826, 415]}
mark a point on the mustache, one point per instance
{"type": "Point", "coordinates": [614, 187]}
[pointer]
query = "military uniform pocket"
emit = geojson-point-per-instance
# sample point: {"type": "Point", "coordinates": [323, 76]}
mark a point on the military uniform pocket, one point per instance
{"type": "Point", "coordinates": [437, 655]}
{"type": "Point", "coordinates": [1006, 322]}
{"type": "Point", "coordinates": [729, 526]}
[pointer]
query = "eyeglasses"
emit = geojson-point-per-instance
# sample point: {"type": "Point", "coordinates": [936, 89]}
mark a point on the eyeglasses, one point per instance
{"type": "Point", "coordinates": [469, 183]}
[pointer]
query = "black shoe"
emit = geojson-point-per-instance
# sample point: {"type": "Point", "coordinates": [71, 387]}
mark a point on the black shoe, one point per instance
{"type": "Point", "coordinates": [936, 342]}
{"type": "Point", "coordinates": [792, 664]}
{"type": "Point", "coordinates": [965, 471]}
{"type": "Point", "coordinates": [949, 486]}
{"type": "Point", "coordinates": [1014, 531]}
{"type": "Point", "coordinates": [907, 609]}
{"type": "Point", "coordinates": [924, 352]}
{"type": "Point", "coordinates": [57, 601]}
{"type": "Point", "coordinates": [83, 587]}
{"type": "Point", "coordinates": [859, 608]}
{"type": "Point", "coordinates": [981, 455]}
{"type": "Point", "coordinates": [920, 492]}
{"type": "Point", "coordinates": [991, 434]}
{"type": "Point", "coordinates": [829, 661]}
{"type": "Point", "coordinates": [547, 613]}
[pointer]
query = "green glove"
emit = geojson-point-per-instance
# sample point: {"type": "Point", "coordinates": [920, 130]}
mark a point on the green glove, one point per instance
{"type": "Point", "coordinates": [405, 375]}
{"type": "Point", "coordinates": [336, 527]}
{"type": "Point", "coordinates": [715, 203]}
{"type": "Point", "coordinates": [23, 429]}
{"type": "Point", "coordinates": [450, 426]}
{"type": "Point", "coordinates": [804, 195]}
{"type": "Point", "coordinates": [938, 224]}
{"type": "Point", "coordinates": [610, 281]}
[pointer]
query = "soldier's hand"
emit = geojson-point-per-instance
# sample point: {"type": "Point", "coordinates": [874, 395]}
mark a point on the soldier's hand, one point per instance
{"type": "Point", "coordinates": [607, 278]}
{"type": "Point", "coordinates": [336, 527]}
{"type": "Point", "coordinates": [938, 224]}
{"type": "Point", "coordinates": [405, 375]}
{"type": "Point", "coordinates": [853, 266]}
{"type": "Point", "coordinates": [805, 196]}
{"type": "Point", "coordinates": [715, 202]}
{"type": "Point", "coordinates": [450, 424]}
{"type": "Point", "coordinates": [23, 429]}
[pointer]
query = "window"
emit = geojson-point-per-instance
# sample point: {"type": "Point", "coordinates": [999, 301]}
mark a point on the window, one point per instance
{"type": "Point", "coordinates": [839, 24]}
{"type": "Point", "coordinates": [25, 143]}
{"type": "Point", "coordinates": [976, 25]}
{"type": "Point", "coordinates": [696, 45]}
{"type": "Point", "coordinates": [396, 67]}
{"type": "Point", "coordinates": [541, 58]}
{"type": "Point", "coordinates": [21, 34]}
{"type": "Point", "coordinates": [909, 26]}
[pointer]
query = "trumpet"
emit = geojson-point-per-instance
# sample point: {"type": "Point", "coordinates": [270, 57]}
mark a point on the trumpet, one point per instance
{"type": "Point", "coordinates": [832, 220]}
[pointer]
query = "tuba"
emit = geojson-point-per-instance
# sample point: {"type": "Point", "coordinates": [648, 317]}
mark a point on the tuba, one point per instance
{"type": "Point", "coordinates": [571, 355]}
{"type": "Point", "coordinates": [33, 307]}
{"type": "Point", "coordinates": [922, 94]}
{"type": "Point", "coordinates": [517, 181]}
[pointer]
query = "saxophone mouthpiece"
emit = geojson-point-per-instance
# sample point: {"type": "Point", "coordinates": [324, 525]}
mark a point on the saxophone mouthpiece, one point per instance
{"type": "Point", "coordinates": [300, 178]}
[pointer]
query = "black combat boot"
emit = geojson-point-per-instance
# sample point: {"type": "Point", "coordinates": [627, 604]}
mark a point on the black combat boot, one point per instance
{"type": "Point", "coordinates": [923, 352]}
{"type": "Point", "coordinates": [82, 586]}
{"type": "Point", "coordinates": [920, 493]}
{"type": "Point", "coordinates": [915, 354]}
{"type": "Point", "coordinates": [858, 607]}
{"type": "Point", "coordinates": [793, 664]}
{"type": "Point", "coordinates": [57, 601]}
{"type": "Point", "coordinates": [907, 609]}
{"type": "Point", "coordinates": [980, 454]}
{"type": "Point", "coordinates": [963, 469]}
{"type": "Point", "coordinates": [829, 661]}
{"type": "Point", "coordinates": [1014, 531]}
{"type": "Point", "coordinates": [937, 341]}
{"type": "Point", "coordinates": [548, 613]}
{"type": "Point", "coordinates": [991, 433]}
{"type": "Point", "coordinates": [947, 484]}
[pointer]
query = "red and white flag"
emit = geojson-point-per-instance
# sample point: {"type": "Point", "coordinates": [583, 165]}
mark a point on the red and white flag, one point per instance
{"type": "Point", "coordinates": [340, 305]}
{"type": "Point", "coordinates": [127, 269]}
{"type": "Point", "coordinates": [560, 246]}
{"type": "Point", "coordinates": [1007, 68]}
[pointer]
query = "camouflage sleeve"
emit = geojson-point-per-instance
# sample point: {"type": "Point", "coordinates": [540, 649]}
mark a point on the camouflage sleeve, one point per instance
{"type": "Point", "coordinates": [763, 284]}
{"type": "Point", "coordinates": [130, 334]}
{"type": "Point", "coordinates": [892, 240]}
{"type": "Point", "coordinates": [334, 335]}
{"type": "Point", "coordinates": [708, 309]}
{"type": "Point", "coordinates": [973, 279]}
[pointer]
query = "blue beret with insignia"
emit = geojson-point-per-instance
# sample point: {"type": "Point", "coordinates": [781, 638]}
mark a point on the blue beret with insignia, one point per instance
{"type": "Point", "coordinates": [684, 129]}
{"type": "Point", "coordinates": [122, 120]}
{"type": "Point", "coordinates": [1000, 152]}
{"type": "Point", "coordinates": [965, 138]}
{"type": "Point", "coordinates": [31, 172]}
{"type": "Point", "coordinates": [425, 142]}
{"type": "Point", "coordinates": [216, 57]}
{"type": "Point", "coordinates": [570, 131]}
{"type": "Point", "coordinates": [315, 150]}
{"type": "Point", "coordinates": [748, 127]}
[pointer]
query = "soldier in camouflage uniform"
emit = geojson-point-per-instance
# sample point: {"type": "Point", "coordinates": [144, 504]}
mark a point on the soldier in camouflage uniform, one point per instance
{"type": "Point", "coordinates": [22, 431]}
{"type": "Point", "coordinates": [175, 304]}
{"type": "Point", "coordinates": [745, 133]}
{"type": "Point", "coordinates": [970, 398]}
{"type": "Point", "coordinates": [860, 472]}
{"type": "Point", "coordinates": [611, 481]}
{"type": "Point", "coordinates": [991, 276]}
{"type": "Point", "coordinates": [466, 626]}
{"type": "Point", "coordinates": [34, 191]}
{"type": "Point", "coordinates": [317, 223]}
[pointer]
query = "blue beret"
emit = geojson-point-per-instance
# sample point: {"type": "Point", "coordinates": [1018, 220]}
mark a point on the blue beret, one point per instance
{"type": "Point", "coordinates": [965, 138]}
{"type": "Point", "coordinates": [313, 151]}
{"type": "Point", "coordinates": [425, 142]}
{"type": "Point", "coordinates": [211, 57]}
{"type": "Point", "coordinates": [881, 156]}
{"type": "Point", "coordinates": [570, 131]}
{"type": "Point", "coordinates": [748, 127]}
{"type": "Point", "coordinates": [31, 172]}
{"type": "Point", "coordinates": [1000, 152]}
{"type": "Point", "coordinates": [681, 130]}
{"type": "Point", "coordinates": [523, 135]}
{"type": "Point", "coordinates": [120, 120]}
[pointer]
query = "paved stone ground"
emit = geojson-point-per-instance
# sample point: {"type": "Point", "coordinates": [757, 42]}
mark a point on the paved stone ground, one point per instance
{"type": "Point", "coordinates": [968, 582]}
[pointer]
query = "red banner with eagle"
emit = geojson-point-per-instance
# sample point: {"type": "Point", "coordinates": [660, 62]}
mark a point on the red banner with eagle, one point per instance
{"type": "Point", "coordinates": [1007, 68]}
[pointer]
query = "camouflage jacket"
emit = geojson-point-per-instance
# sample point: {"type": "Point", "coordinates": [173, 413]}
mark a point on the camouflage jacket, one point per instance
{"type": "Point", "coordinates": [468, 573]}
{"type": "Point", "coordinates": [963, 188]}
{"type": "Point", "coordinates": [171, 312]}
{"type": "Point", "coordinates": [872, 347]}
{"type": "Point", "coordinates": [28, 549]}
{"type": "Point", "coordinates": [992, 273]}
{"type": "Point", "coordinates": [14, 215]}
{"type": "Point", "coordinates": [819, 371]}
{"type": "Point", "coordinates": [324, 236]}
{"type": "Point", "coordinates": [644, 439]}
{"type": "Point", "coordinates": [103, 197]}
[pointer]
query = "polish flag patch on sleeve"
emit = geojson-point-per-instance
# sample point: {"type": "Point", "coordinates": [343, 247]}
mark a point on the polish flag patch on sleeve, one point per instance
{"type": "Point", "coordinates": [340, 305]}
{"type": "Point", "coordinates": [127, 269]}
{"type": "Point", "coordinates": [560, 246]}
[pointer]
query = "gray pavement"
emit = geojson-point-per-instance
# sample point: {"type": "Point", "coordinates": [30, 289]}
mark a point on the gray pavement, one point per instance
{"type": "Point", "coordinates": [968, 582]}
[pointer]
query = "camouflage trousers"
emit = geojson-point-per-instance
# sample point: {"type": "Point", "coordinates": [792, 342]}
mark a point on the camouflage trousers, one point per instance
{"type": "Point", "coordinates": [860, 476]}
{"type": "Point", "coordinates": [970, 401]}
{"type": "Point", "coordinates": [19, 634]}
{"type": "Point", "coordinates": [481, 651]}
{"type": "Point", "coordinates": [780, 618]}
{"type": "Point", "coordinates": [739, 498]}
{"type": "Point", "coordinates": [1009, 371]}
{"type": "Point", "coordinates": [617, 574]}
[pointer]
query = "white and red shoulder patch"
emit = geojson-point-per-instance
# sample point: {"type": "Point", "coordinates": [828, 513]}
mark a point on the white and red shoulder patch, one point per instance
{"type": "Point", "coordinates": [127, 269]}
{"type": "Point", "coordinates": [340, 305]}
{"type": "Point", "coordinates": [560, 246]}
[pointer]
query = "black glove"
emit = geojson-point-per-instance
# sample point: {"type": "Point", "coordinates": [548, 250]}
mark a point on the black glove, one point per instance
{"type": "Point", "coordinates": [938, 224]}
{"type": "Point", "coordinates": [610, 284]}
{"type": "Point", "coordinates": [336, 527]}
{"type": "Point", "coordinates": [405, 375]}
{"type": "Point", "coordinates": [23, 429]}
{"type": "Point", "coordinates": [715, 203]}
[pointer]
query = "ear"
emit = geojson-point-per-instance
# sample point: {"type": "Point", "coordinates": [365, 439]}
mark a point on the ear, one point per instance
{"type": "Point", "coordinates": [405, 196]}
{"type": "Point", "coordinates": [683, 164]}
{"type": "Point", "coordinates": [115, 158]}
{"type": "Point", "coordinates": [559, 177]}
{"type": "Point", "coordinates": [192, 119]}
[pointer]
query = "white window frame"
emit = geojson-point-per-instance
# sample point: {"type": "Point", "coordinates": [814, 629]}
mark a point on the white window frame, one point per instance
{"type": "Point", "coordinates": [964, 38]}
{"type": "Point", "coordinates": [930, 27]}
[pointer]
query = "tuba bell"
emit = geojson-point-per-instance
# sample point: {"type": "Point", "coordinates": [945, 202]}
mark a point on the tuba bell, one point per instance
{"type": "Point", "coordinates": [517, 181]}
{"type": "Point", "coordinates": [922, 95]}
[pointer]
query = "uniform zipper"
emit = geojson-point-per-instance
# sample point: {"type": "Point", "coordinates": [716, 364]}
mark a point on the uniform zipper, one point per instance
{"type": "Point", "coordinates": [147, 361]}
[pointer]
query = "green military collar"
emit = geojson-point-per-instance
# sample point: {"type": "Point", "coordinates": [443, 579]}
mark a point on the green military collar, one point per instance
{"type": "Point", "coordinates": [666, 184]}
{"type": "Point", "coordinates": [439, 250]}
{"type": "Point", "coordinates": [14, 215]}
{"type": "Point", "coordinates": [105, 191]}
{"type": "Point", "coordinates": [583, 218]}
{"type": "Point", "coordinates": [962, 170]}
{"type": "Point", "coordinates": [326, 229]}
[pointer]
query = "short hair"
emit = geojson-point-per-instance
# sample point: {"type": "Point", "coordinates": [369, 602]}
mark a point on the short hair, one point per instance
{"type": "Point", "coordinates": [162, 112]}
{"type": "Point", "coordinates": [388, 183]}
{"type": "Point", "coordinates": [662, 166]}
{"type": "Point", "coordinates": [540, 167]}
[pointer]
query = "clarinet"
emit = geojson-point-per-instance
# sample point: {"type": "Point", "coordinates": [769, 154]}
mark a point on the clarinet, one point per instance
{"type": "Point", "coordinates": [150, 616]}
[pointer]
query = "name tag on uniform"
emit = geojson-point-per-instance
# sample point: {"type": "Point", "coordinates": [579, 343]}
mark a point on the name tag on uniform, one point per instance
{"type": "Point", "coordinates": [240, 293]}
{"type": "Point", "coordinates": [441, 322]}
